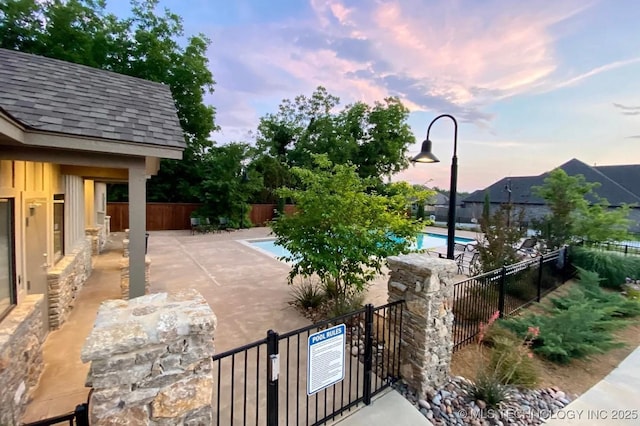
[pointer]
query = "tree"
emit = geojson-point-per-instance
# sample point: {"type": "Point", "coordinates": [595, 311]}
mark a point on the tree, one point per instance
{"type": "Point", "coordinates": [145, 45]}
{"type": "Point", "coordinates": [374, 138]}
{"type": "Point", "coordinates": [226, 186]}
{"type": "Point", "coordinates": [572, 216]}
{"type": "Point", "coordinates": [501, 232]}
{"type": "Point", "coordinates": [342, 230]}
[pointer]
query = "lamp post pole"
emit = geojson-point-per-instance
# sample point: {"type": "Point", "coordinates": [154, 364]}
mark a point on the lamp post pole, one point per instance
{"type": "Point", "coordinates": [426, 156]}
{"type": "Point", "coordinates": [507, 188]}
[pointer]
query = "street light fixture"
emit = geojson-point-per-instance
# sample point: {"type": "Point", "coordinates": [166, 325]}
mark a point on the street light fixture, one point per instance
{"type": "Point", "coordinates": [243, 180]}
{"type": "Point", "coordinates": [426, 156]}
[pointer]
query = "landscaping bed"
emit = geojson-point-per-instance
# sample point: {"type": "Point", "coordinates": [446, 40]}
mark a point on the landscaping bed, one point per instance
{"type": "Point", "coordinates": [526, 368]}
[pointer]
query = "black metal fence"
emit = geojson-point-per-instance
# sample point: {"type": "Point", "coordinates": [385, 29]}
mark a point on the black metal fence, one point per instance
{"type": "Point", "coordinates": [265, 382]}
{"type": "Point", "coordinates": [626, 248]}
{"type": "Point", "coordinates": [78, 417]}
{"type": "Point", "coordinates": [506, 290]}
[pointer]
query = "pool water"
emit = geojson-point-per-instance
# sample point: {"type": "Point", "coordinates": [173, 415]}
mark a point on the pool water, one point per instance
{"type": "Point", "coordinates": [423, 241]}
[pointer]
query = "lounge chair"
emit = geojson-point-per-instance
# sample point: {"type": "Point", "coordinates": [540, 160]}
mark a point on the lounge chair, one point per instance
{"type": "Point", "coordinates": [195, 225]}
{"type": "Point", "coordinates": [459, 247]}
{"type": "Point", "coordinates": [528, 247]}
{"type": "Point", "coordinates": [459, 258]}
{"type": "Point", "coordinates": [474, 267]}
{"type": "Point", "coordinates": [223, 224]}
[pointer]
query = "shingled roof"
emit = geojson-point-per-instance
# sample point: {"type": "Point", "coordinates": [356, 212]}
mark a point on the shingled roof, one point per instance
{"type": "Point", "coordinates": [618, 184]}
{"type": "Point", "coordinates": [57, 96]}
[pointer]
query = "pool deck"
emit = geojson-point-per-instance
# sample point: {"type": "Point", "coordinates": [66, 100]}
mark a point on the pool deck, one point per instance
{"type": "Point", "coordinates": [246, 288]}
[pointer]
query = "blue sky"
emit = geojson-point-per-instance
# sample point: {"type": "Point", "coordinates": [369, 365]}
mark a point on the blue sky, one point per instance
{"type": "Point", "coordinates": [532, 84]}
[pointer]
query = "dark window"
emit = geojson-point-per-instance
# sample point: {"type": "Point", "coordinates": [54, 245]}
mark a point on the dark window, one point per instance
{"type": "Point", "coordinates": [7, 263]}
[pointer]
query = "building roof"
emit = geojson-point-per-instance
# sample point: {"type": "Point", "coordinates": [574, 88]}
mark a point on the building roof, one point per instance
{"type": "Point", "coordinates": [57, 96]}
{"type": "Point", "coordinates": [439, 199]}
{"type": "Point", "coordinates": [618, 184]}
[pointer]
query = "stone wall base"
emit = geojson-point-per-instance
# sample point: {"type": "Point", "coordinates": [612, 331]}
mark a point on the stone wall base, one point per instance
{"type": "Point", "coordinates": [98, 238]}
{"type": "Point", "coordinates": [64, 281]}
{"type": "Point", "coordinates": [124, 276]}
{"type": "Point", "coordinates": [21, 336]}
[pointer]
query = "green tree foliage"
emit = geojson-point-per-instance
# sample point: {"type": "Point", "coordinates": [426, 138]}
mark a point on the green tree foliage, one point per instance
{"type": "Point", "coordinates": [573, 216]}
{"type": "Point", "coordinates": [275, 174]}
{"type": "Point", "coordinates": [146, 45]}
{"type": "Point", "coordinates": [374, 138]}
{"type": "Point", "coordinates": [225, 187]}
{"type": "Point", "coordinates": [342, 231]}
{"type": "Point", "coordinates": [501, 231]}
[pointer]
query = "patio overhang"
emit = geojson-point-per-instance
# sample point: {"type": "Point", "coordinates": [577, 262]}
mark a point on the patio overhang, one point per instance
{"type": "Point", "coordinates": [96, 159]}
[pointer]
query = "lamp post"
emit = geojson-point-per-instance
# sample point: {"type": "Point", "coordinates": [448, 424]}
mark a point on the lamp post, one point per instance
{"type": "Point", "coordinates": [507, 188]}
{"type": "Point", "coordinates": [243, 180]}
{"type": "Point", "coordinates": [426, 156]}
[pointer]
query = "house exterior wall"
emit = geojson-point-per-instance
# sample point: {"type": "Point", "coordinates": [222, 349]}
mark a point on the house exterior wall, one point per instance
{"type": "Point", "coordinates": [537, 212]}
{"type": "Point", "coordinates": [25, 180]}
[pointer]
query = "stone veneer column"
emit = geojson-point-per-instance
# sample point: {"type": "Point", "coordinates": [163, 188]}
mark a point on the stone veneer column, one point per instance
{"type": "Point", "coordinates": [151, 361]}
{"type": "Point", "coordinates": [94, 235]}
{"type": "Point", "coordinates": [22, 334]}
{"type": "Point", "coordinates": [426, 284]}
{"type": "Point", "coordinates": [124, 276]}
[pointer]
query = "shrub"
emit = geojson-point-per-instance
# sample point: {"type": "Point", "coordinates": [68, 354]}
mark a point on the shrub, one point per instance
{"type": "Point", "coordinates": [330, 289]}
{"type": "Point", "coordinates": [487, 388]}
{"type": "Point", "coordinates": [307, 294]}
{"type": "Point", "coordinates": [613, 304]}
{"type": "Point", "coordinates": [510, 358]}
{"type": "Point", "coordinates": [523, 285]}
{"type": "Point", "coordinates": [345, 304]}
{"type": "Point", "coordinates": [578, 324]}
{"type": "Point", "coordinates": [509, 363]}
{"type": "Point", "coordinates": [612, 267]}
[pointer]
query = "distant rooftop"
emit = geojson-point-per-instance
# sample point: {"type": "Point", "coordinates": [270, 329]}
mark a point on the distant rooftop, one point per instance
{"type": "Point", "coordinates": [618, 184]}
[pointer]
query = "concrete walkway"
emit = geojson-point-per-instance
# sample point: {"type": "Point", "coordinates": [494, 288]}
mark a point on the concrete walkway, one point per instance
{"type": "Point", "coordinates": [390, 408]}
{"type": "Point", "coordinates": [61, 386]}
{"type": "Point", "coordinates": [615, 400]}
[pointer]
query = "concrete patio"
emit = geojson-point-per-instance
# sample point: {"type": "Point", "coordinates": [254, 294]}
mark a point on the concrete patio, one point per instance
{"type": "Point", "coordinates": [246, 289]}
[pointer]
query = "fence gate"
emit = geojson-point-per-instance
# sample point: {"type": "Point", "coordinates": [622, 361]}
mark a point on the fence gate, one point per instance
{"type": "Point", "coordinates": [266, 382]}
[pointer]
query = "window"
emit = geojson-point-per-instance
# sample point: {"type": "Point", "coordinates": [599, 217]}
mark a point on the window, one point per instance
{"type": "Point", "coordinates": [7, 266]}
{"type": "Point", "coordinates": [58, 226]}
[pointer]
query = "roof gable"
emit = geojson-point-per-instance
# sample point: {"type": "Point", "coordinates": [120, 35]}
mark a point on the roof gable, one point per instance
{"type": "Point", "coordinates": [57, 96]}
{"type": "Point", "coordinates": [521, 192]}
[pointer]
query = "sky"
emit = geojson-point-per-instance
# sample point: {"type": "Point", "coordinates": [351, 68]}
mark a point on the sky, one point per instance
{"type": "Point", "coordinates": [532, 83]}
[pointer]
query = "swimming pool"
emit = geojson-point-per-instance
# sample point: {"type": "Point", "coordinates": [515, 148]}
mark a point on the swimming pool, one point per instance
{"type": "Point", "coordinates": [423, 241]}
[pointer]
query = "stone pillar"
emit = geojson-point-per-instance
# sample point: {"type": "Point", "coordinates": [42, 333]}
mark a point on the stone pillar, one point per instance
{"type": "Point", "coordinates": [426, 284]}
{"type": "Point", "coordinates": [151, 361]}
{"type": "Point", "coordinates": [107, 225]}
{"type": "Point", "coordinates": [125, 248]}
{"type": "Point", "coordinates": [22, 333]}
{"type": "Point", "coordinates": [124, 276]}
{"type": "Point", "coordinates": [94, 235]}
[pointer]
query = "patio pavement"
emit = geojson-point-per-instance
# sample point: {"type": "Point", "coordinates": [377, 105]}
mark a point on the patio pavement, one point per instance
{"type": "Point", "coordinates": [246, 289]}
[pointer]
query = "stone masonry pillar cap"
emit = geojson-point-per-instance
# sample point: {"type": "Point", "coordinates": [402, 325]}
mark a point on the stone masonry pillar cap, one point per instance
{"type": "Point", "coordinates": [124, 326]}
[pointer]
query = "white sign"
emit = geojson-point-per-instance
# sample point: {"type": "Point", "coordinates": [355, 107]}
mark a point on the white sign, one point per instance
{"type": "Point", "coordinates": [325, 359]}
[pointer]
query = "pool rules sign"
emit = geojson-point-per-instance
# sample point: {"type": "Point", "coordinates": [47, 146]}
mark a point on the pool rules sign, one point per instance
{"type": "Point", "coordinates": [325, 358]}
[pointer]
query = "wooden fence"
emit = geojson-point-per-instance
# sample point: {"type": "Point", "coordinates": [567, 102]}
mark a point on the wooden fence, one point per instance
{"type": "Point", "coordinates": [172, 216]}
